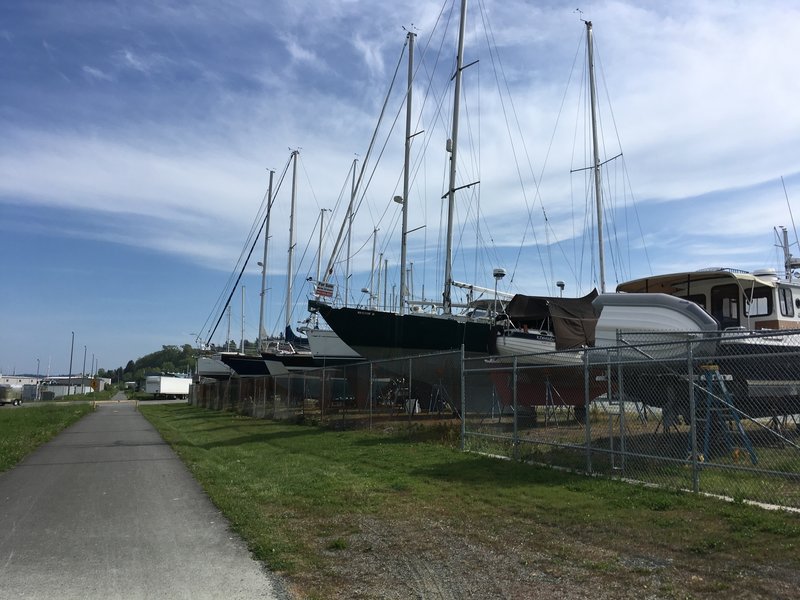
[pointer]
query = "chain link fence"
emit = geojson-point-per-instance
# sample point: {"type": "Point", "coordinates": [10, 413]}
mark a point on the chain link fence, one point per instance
{"type": "Point", "coordinates": [715, 414]}
{"type": "Point", "coordinates": [419, 388]}
{"type": "Point", "coordinates": [718, 414]}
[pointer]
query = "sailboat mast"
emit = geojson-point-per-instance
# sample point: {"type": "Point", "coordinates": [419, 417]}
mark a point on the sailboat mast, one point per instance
{"type": "Point", "coordinates": [241, 343]}
{"type": "Point", "coordinates": [598, 198]}
{"type": "Point", "coordinates": [447, 303]}
{"type": "Point", "coordinates": [290, 267]}
{"type": "Point", "coordinates": [372, 267]}
{"type": "Point", "coordinates": [349, 221]}
{"type": "Point", "coordinates": [261, 332]}
{"type": "Point", "coordinates": [406, 162]}
{"type": "Point", "coordinates": [787, 255]}
{"type": "Point", "coordinates": [319, 252]}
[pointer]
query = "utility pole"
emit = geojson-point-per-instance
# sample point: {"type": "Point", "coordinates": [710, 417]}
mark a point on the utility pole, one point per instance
{"type": "Point", "coordinates": [71, 348]}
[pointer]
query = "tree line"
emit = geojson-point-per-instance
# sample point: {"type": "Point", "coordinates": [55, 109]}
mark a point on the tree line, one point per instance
{"type": "Point", "coordinates": [170, 359]}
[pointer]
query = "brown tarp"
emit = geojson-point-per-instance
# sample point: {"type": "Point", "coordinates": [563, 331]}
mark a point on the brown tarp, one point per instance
{"type": "Point", "coordinates": [573, 320]}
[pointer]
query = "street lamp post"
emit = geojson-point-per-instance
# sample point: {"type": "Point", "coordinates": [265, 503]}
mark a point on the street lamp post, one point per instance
{"type": "Point", "coordinates": [71, 348]}
{"type": "Point", "coordinates": [83, 371]}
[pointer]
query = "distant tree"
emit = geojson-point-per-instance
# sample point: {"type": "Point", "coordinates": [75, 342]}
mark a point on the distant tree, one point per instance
{"type": "Point", "coordinates": [170, 359]}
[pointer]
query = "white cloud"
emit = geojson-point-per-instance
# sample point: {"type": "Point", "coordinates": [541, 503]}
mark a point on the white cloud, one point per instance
{"type": "Point", "coordinates": [300, 53]}
{"type": "Point", "coordinates": [371, 54]}
{"type": "Point", "coordinates": [94, 73]}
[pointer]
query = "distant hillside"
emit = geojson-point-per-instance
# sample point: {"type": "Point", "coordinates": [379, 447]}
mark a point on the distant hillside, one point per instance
{"type": "Point", "coordinates": [170, 359]}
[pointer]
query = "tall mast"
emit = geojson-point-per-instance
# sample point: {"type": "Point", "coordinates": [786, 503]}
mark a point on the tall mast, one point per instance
{"type": "Point", "coordinates": [372, 268]}
{"type": "Point", "coordinates": [261, 332]}
{"type": "Point", "coordinates": [241, 343]}
{"type": "Point", "coordinates": [406, 162]}
{"type": "Point", "coordinates": [290, 267]}
{"type": "Point", "coordinates": [227, 338]}
{"type": "Point", "coordinates": [319, 252]}
{"type": "Point", "coordinates": [596, 161]}
{"type": "Point", "coordinates": [349, 220]}
{"type": "Point", "coordinates": [447, 303]}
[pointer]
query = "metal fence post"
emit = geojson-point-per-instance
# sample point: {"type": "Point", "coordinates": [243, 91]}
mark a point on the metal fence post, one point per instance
{"type": "Point", "coordinates": [409, 406]}
{"type": "Point", "coordinates": [322, 395]}
{"type": "Point", "coordinates": [621, 401]}
{"type": "Point", "coordinates": [369, 396]}
{"type": "Point", "coordinates": [692, 417]}
{"type": "Point", "coordinates": [463, 404]}
{"type": "Point", "coordinates": [516, 412]}
{"type": "Point", "coordinates": [586, 400]}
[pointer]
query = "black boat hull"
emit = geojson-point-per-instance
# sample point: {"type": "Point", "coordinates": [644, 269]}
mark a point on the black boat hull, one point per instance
{"type": "Point", "coordinates": [378, 335]}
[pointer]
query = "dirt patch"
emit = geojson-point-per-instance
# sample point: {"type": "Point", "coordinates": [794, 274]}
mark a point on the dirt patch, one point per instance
{"type": "Point", "coordinates": [431, 558]}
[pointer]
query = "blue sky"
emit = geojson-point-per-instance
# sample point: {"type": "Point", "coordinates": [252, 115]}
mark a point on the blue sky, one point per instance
{"type": "Point", "coordinates": [135, 140]}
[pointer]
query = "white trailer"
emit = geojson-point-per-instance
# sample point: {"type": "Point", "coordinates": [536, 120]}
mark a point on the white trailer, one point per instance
{"type": "Point", "coordinates": [162, 386]}
{"type": "Point", "coordinates": [10, 394]}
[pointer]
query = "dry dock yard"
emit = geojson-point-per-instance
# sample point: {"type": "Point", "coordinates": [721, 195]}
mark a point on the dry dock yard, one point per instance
{"type": "Point", "coordinates": [382, 490]}
{"type": "Point", "coordinates": [399, 512]}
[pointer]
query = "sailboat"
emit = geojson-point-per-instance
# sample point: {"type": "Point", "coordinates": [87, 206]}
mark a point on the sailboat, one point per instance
{"type": "Point", "coordinates": [293, 352]}
{"type": "Point", "coordinates": [533, 328]}
{"type": "Point", "coordinates": [379, 334]}
{"type": "Point", "coordinates": [555, 334]}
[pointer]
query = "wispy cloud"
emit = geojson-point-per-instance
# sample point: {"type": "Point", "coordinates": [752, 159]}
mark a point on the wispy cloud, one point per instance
{"type": "Point", "coordinates": [146, 64]}
{"type": "Point", "coordinates": [371, 54]}
{"type": "Point", "coordinates": [95, 73]}
{"type": "Point", "coordinates": [300, 53]}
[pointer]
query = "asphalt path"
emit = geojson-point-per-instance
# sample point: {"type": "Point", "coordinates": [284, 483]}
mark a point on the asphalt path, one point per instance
{"type": "Point", "coordinates": [107, 510]}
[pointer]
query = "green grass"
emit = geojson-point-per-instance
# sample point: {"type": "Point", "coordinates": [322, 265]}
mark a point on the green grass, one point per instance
{"type": "Point", "coordinates": [24, 429]}
{"type": "Point", "coordinates": [290, 490]}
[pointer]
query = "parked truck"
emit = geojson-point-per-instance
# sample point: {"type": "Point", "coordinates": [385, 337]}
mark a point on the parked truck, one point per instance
{"type": "Point", "coordinates": [163, 386]}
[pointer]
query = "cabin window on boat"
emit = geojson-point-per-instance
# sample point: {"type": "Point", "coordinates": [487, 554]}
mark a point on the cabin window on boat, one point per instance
{"type": "Point", "coordinates": [725, 304]}
{"type": "Point", "coordinates": [758, 302]}
{"type": "Point", "coordinates": [785, 302]}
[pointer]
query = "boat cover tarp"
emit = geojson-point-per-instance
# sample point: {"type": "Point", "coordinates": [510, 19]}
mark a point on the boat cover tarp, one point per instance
{"type": "Point", "coordinates": [573, 320]}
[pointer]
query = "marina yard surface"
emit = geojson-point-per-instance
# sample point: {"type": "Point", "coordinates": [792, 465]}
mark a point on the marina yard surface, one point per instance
{"type": "Point", "coordinates": [396, 513]}
{"type": "Point", "coordinates": [106, 510]}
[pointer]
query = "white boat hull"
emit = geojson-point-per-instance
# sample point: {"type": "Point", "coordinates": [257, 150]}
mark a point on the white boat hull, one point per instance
{"type": "Point", "coordinates": [535, 349]}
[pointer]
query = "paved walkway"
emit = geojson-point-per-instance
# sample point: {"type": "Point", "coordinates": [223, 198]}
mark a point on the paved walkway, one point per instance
{"type": "Point", "coordinates": [107, 510]}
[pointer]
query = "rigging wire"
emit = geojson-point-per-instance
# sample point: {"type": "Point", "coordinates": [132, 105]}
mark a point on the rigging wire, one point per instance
{"type": "Point", "coordinates": [255, 235]}
{"type": "Point", "coordinates": [500, 70]}
{"type": "Point", "coordinates": [791, 216]}
{"type": "Point", "coordinates": [626, 179]}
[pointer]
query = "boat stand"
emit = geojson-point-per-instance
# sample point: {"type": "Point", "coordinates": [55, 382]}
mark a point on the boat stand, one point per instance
{"type": "Point", "coordinates": [719, 413]}
{"type": "Point", "coordinates": [439, 398]}
{"type": "Point", "coordinates": [550, 406]}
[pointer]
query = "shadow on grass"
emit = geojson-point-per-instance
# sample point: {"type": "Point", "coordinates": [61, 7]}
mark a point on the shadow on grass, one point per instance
{"type": "Point", "coordinates": [254, 438]}
{"type": "Point", "coordinates": [480, 470]}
